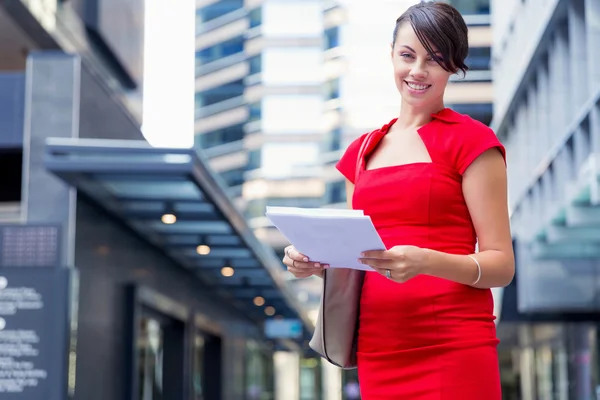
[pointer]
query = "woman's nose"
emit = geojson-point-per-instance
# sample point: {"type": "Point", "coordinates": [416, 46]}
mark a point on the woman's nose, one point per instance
{"type": "Point", "coordinates": [419, 71]}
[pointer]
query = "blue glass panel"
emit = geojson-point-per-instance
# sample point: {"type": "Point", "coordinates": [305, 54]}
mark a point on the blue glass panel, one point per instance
{"type": "Point", "coordinates": [220, 93]}
{"type": "Point", "coordinates": [221, 50]}
{"type": "Point", "coordinates": [217, 10]}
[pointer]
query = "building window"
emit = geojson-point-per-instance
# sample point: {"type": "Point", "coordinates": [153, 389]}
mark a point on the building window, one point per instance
{"type": "Point", "coordinates": [255, 17]}
{"type": "Point", "coordinates": [235, 177]}
{"type": "Point", "coordinates": [335, 192]}
{"type": "Point", "coordinates": [332, 38]}
{"type": "Point", "coordinates": [254, 157]}
{"type": "Point", "coordinates": [471, 7]}
{"type": "Point", "coordinates": [479, 58]}
{"type": "Point", "coordinates": [255, 110]}
{"type": "Point", "coordinates": [219, 94]}
{"type": "Point", "coordinates": [333, 141]}
{"type": "Point", "coordinates": [221, 136]}
{"type": "Point", "coordinates": [255, 65]}
{"type": "Point", "coordinates": [221, 50]}
{"type": "Point", "coordinates": [482, 112]}
{"type": "Point", "coordinates": [217, 10]}
{"type": "Point", "coordinates": [332, 89]}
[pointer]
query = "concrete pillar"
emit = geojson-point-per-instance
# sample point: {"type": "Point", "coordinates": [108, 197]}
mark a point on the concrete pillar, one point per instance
{"type": "Point", "coordinates": [594, 121]}
{"type": "Point", "coordinates": [592, 24]}
{"type": "Point", "coordinates": [51, 110]}
{"type": "Point", "coordinates": [560, 80]}
{"type": "Point", "coordinates": [578, 54]}
{"type": "Point", "coordinates": [543, 88]}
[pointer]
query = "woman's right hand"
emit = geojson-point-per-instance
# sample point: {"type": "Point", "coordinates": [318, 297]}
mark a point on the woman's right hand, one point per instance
{"type": "Point", "coordinates": [300, 265]}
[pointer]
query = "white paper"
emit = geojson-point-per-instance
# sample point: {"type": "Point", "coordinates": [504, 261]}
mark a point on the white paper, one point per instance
{"type": "Point", "coordinates": [329, 236]}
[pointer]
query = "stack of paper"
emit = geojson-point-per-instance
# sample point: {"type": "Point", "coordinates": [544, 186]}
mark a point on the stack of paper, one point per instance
{"type": "Point", "coordinates": [329, 236]}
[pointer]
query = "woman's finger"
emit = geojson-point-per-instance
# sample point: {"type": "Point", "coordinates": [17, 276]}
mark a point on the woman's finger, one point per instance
{"type": "Point", "coordinates": [292, 253]}
{"type": "Point", "coordinates": [302, 273]}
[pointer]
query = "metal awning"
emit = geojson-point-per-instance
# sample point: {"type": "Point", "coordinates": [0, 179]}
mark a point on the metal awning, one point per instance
{"type": "Point", "coordinates": [572, 230]}
{"type": "Point", "coordinates": [142, 185]}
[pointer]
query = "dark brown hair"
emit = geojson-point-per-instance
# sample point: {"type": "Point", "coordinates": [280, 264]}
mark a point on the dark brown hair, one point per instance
{"type": "Point", "coordinates": [439, 26]}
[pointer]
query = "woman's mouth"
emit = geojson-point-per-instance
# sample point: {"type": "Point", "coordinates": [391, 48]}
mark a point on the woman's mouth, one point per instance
{"type": "Point", "coordinates": [417, 87]}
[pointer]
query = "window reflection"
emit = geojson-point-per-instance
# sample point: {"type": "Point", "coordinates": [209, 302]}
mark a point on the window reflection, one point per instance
{"type": "Point", "coordinates": [332, 37]}
{"type": "Point", "coordinates": [472, 6]}
{"type": "Point", "coordinates": [259, 373]}
{"type": "Point", "coordinates": [198, 375]}
{"type": "Point", "coordinates": [221, 50]}
{"type": "Point", "coordinates": [150, 360]}
{"type": "Point", "coordinates": [217, 10]}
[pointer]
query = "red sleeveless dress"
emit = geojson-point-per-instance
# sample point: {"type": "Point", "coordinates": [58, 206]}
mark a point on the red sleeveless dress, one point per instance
{"type": "Point", "coordinates": [428, 338]}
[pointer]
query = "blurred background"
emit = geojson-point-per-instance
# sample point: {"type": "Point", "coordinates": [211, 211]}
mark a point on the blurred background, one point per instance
{"type": "Point", "coordinates": [140, 142]}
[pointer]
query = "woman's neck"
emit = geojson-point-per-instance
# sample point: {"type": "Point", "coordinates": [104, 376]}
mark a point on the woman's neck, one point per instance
{"type": "Point", "coordinates": [413, 117]}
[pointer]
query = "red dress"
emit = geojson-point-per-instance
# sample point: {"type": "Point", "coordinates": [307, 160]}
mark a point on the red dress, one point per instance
{"type": "Point", "coordinates": [428, 338]}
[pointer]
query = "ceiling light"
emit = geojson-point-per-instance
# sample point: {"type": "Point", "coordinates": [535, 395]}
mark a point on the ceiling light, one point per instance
{"type": "Point", "coordinates": [168, 219]}
{"type": "Point", "coordinates": [203, 250]}
{"type": "Point", "coordinates": [227, 272]}
{"type": "Point", "coordinates": [259, 301]}
{"type": "Point", "coordinates": [270, 311]}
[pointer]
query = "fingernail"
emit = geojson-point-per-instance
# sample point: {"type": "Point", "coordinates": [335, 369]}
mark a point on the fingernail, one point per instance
{"type": "Point", "coordinates": [317, 265]}
{"type": "Point", "coordinates": [362, 254]}
{"type": "Point", "coordinates": [305, 259]}
{"type": "Point", "coordinates": [361, 261]}
{"type": "Point", "coordinates": [326, 266]}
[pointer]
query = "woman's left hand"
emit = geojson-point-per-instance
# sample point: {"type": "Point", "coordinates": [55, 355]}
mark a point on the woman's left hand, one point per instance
{"type": "Point", "coordinates": [402, 262]}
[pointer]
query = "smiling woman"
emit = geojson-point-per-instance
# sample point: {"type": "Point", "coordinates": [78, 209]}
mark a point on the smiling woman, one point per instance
{"type": "Point", "coordinates": [433, 182]}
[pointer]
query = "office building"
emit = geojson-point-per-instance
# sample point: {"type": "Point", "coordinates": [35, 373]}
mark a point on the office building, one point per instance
{"type": "Point", "coordinates": [546, 111]}
{"type": "Point", "coordinates": [125, 270]}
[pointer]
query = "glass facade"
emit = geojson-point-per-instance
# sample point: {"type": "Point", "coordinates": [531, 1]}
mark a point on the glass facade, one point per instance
{"type": "Point", "coordinates": [332, 37]}
{"type": "Point", "coordinates": [220, 93]}
{"type": "Point", "coordinates": [260, 380]}
{"type": "Point", "coordinates": [255, 17]}
{"type": "Point", "coordinates": [150, 360]}
{"type": "Point", "coordinates": [552, 362]}
{"type": "Point", "coordinates": [216, 10]}
{"type": "Point", "coordinates": [470, 7]}
{"type": "Point", "coordinates": [479, 58]}
{"type": "Point", "coordinates": [220, 50]}
{"type": "Point", "coordinates": [220, 136]}
{"type": "Point", "coordinates": [234, 177]}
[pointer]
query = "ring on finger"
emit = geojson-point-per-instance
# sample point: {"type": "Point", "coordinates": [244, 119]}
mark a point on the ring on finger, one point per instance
{"type": "Point", "coordinates": [388, 274]}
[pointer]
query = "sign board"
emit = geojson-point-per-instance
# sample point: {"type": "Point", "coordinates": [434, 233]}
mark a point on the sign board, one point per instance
{"type": "Point", "coordinates": [34, 333]}
{"type": "Point", "coordinates": [283, 328]}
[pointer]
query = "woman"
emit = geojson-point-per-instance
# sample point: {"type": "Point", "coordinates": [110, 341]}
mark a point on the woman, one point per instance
{"type": "Point", "coordinates": [434, 182]}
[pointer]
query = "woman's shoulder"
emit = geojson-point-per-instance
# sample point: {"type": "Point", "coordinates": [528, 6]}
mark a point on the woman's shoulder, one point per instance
{"type": "Point", "coordinates": [461, 123]}
{"type": "Point", "coordinates": [465, 138]}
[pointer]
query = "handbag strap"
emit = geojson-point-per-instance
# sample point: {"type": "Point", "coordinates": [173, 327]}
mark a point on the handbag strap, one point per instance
{"type": "Point", "coordinates": [361, 153]}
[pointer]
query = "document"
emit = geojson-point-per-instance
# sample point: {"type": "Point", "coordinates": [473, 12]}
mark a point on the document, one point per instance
{"type": "Point", "coordinates": [330, 236]}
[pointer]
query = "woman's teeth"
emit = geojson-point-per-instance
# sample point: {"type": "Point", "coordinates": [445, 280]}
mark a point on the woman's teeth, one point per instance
{"type": "Point", "coordinates": [417, 86]}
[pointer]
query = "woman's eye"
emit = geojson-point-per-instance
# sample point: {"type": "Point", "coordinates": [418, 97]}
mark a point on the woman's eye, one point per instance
{"type": "Point", "coordinates": [406, 55]}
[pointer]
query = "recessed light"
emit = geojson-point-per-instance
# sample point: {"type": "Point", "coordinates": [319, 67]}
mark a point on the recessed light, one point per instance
{"type": "Point", "coordinates": [203, 250]}
{"type": "Point", "coordinates": [168, 219]}
{"type": "Point", "coordinates": [259, 301]}
{"type": "Point", "coordinates": [227, 272]}
{"type": "Point", "coordinates": [270, 311]}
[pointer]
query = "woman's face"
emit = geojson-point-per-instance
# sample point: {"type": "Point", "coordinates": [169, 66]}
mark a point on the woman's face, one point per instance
{"type": "Point", "coordinates": [420, 80]}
